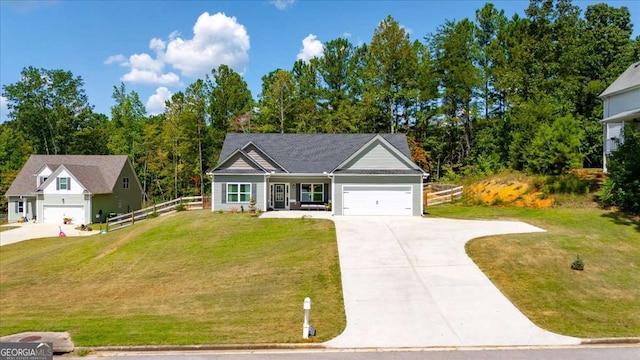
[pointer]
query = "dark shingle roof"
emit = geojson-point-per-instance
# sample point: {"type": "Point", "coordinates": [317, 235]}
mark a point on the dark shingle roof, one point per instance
{"type": "Point", "coordinates": [308, 153]}
{"type": "Point", "coordinates": [630, 78]}
{"type": "Point", "coordinates": [98, 173]}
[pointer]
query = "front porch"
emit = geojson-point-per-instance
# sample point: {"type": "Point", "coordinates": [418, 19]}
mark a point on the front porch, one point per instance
{"type": "Point", "coordinates": [21, 207]}
{"type": "Point", "coordinates": [312, 193]}
{"type": "Point", "coordinates": [297, 214]}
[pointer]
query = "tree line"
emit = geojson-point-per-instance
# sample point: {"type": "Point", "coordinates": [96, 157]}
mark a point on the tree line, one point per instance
{"type": "Point", "coordinates": [476, 96]}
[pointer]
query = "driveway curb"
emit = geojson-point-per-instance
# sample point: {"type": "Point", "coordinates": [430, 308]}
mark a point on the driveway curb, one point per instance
{"type": "Point", "coordinates": [607, 341]}
{"type": "Point", "coordinates": [214, 347]}
{"type": "Point", "coordinates": [319, 346]}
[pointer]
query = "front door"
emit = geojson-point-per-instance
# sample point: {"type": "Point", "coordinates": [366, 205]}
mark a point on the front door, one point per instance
{"type": "Point", "coordinates": [278, 196]}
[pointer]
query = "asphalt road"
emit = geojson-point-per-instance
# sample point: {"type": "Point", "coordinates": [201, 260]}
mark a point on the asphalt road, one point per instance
{"type": "Point", "coordinates": [568, 353]}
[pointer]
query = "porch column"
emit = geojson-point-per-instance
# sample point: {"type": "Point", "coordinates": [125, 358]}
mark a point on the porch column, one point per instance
{"type": "Point", "coordinates": [266, 193]}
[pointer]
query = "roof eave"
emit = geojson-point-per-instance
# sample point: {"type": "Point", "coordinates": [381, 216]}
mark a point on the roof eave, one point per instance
{"type": "Point", "coordinates": [606, 94]}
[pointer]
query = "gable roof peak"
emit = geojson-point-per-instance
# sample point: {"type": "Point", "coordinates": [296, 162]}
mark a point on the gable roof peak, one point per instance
{"type": "Point", "coordinates": [629, 79]}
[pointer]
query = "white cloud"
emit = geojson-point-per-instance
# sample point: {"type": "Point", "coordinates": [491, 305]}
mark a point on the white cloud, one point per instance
{"type": "Point", "coordinates": [346, 35]}
{"type": "Point", "coordinates": [145, 62]}
{"type": "Point", "coordinates": [282, 4]}
{"type": "Point", "coordinates": [311, 47]}
{"type": "Point", "coordinates": [158, 45]}
{"type": "Point", "coordinates": [119, 58]}
{"type": "Point", "coordinates": [4, 108]}
{"type": "Point", "coordinates": [217, 39]}
{"type": "Point", "coordinates": [156, 102]}
{"type": "Point", "coordinates": [174, 34]}
{"type": "Point", "coordinates": [142, 76]}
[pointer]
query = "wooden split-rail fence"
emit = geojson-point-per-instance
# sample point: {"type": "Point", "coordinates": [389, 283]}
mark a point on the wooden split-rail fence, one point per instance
{"type": "Point", "coordinates": [187, 203]}
{"type": "Point", "coordinates": [435, 193]}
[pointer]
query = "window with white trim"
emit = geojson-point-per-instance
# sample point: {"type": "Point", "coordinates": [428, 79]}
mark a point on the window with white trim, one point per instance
{"type": "Point", "coordinates": [19, 207]}
{"type": "Point", "coordinates": [238, 193]}
{"type": "Point", "coordinates": [312, 192]}
{"type": "Point", "coordinates": [64, 183]}
{"type": "Point", "coordinates": [125, 182]}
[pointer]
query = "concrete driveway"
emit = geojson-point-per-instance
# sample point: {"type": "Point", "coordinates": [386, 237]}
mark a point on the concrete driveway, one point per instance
{"type": "Point", "coordinates": [408, 282]}
{"type": "Point", "coordinates": [27, 231]}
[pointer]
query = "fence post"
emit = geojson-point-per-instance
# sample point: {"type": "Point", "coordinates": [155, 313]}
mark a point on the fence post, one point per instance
{"type": "Point", "coordinates": [133, 218]}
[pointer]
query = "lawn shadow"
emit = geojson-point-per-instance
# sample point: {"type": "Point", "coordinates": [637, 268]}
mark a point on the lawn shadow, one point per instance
{"type": "Point", "coordinates": [623, 219]}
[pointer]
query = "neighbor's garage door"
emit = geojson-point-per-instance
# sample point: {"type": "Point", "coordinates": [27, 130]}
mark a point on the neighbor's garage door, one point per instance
{"type": "Point", "coordinates": [55, 214]}
{"type": "Point", "coordinates": [377, 200]}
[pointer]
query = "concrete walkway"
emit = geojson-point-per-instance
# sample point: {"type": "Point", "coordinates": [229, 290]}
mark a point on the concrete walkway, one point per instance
{"type": "Point", "coordinates": [27, 231]}
{"type": "Point", "coordinates": [408, 282]}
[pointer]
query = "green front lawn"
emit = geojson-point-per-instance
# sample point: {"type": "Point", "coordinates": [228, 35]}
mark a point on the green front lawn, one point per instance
{"type": "Point", "coordinates": [190, 278]}
{"type": "Point", "coordinates": [534, 270]}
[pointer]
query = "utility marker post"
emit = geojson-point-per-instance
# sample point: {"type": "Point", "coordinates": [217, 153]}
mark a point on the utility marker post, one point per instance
{"type": "Point", "coordinates": [305, 327]}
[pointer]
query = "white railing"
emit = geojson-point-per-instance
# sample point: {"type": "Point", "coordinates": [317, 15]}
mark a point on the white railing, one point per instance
{"type": "Point", "coordinates": [446, 195]}
{"type": "Point", "coordinates": [124, 220]}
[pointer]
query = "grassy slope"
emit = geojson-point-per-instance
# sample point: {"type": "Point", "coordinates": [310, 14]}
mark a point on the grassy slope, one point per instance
{"type": "Point", "coordinates": [533, 270]}
{"type": "Point", "coordinates": [190, 278]}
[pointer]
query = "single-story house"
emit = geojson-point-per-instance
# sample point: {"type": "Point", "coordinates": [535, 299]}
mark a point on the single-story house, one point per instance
{"type": "Point", "coordinates": [351, 174]}
{"type": "Point", "coordinates": [84, 188]}
{"type": "Point", "coordinates": [621, 108]}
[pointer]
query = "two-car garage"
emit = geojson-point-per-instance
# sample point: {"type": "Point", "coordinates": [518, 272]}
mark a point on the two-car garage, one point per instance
{"type": "Point", "coordinates": [377, 200]}
{"type": "Point", "coordinates": [54, 214]}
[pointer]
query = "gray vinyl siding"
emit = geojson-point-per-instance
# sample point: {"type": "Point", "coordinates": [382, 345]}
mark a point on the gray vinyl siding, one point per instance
{"type": "Point", "coordinates": [238, 162]}
{"type": "Point", "coordinates": [108, 204]}
{"type": "Point", "coordinates": [260, 158]}
{"type": "Point", "coordinates": [414, 180]}
{"type": "Point", "coordinates": [221, 204]}
{"type": "Point", "coordinates": [377, 156]}
{"type": "Point", "coordinates": [123, 200]}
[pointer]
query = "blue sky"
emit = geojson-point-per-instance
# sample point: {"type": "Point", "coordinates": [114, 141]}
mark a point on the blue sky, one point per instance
{"type": "Point", "coordinates": [159, 47]}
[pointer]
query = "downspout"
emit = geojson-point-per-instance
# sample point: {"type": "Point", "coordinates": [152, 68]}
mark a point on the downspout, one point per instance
{"type": "Point", "coordinates": [425, 176]}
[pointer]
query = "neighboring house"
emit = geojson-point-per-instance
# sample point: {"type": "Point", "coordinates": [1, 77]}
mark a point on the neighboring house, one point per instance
{"type": "Point", "coordinates": [355, 174]}
{"type": "Point", "coordinates": [621, 108]}
{"type": "Point", "coordinates": [85, 188]}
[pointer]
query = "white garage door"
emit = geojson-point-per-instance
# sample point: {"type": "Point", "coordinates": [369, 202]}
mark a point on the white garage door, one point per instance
{"type": "Point", "coordinates": [377, 200]}
{"type": "Point", "coordinates": [55, 214]}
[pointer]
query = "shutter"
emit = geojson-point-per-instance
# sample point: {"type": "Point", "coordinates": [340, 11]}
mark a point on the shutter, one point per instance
{"type": "Point", "coordinates": [326, 193]}
{"type": "Point", "coordinates": [68, 183]}
{"type": "Point", "coordinates": [57, 183]}
{"type": "Point", "coordinates": [254, 188]}
{"type": "Point", "coordinates": [224, 193]}
{"type": "Point", "coordinates": [298, 191]}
